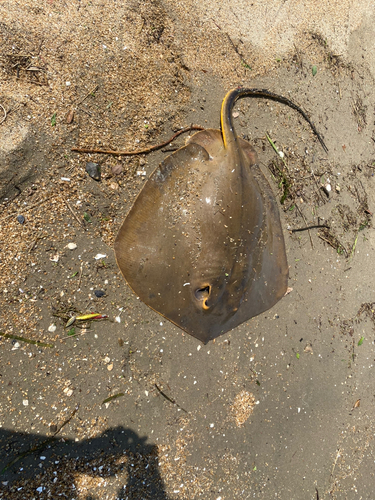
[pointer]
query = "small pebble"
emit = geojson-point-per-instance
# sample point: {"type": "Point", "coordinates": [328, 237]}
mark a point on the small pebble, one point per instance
{"type": "Point", "coordinates": [52, 328]}
{"type": "Point", "coordinates": [110, 367]}
{"type": "Point", "coordinates": [107, 359]}
{"type": "Point", "coordinates": [71, 246]}
{"type": "Point", "coordinates": [99, 293]}
{"type": "Point", "coordinates": [327, 189]}
{"type": "Point", "coordinates": [25, 402]}
{"type": "Point", "coordinates": [114, 186]}
{"type": "Point", "coordinates": [70, 116]}
{"type": "Point", "coordinates": [21, 219]}
{"type": "Point", "coordinates": [117, 169]}
{"type": "Point", "coordinates": [94, 170]}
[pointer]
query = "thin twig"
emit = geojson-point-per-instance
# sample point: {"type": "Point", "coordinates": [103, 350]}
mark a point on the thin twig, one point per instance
{"type": "Point", "coordinates": [317, 186]}
{"type": "Point", "coordinates": [85, 111]}
{"type": "Point", "coordinates": [74, 335]}
{"type": "Point", "coordinates": [170, 399]}
{"type": "Point", "coordinates": [80, 277]}
{"type": "Point", "coordinates": [327, 241]}
{"type": "Point", "coordinates": [233, 45]}
{"type": "Point", "coordinates": [331, 244]}
{"type": "Point", "coordinates": [143, 151]}
{"type": "Point", "coordinates": [38, 83]}
{"type": "Point", "coordinates": [74, 215]}
{"type": "Point", "coordinates": [87, 95]}
{"type": "Point", "coordinates": [334, 465]}
{"type": "Point", "coordinates": [247, 65]}
{"type": "Point", "coordinates": [316, 226]}
{"type": "Point", "coordinates": [5, 114]}
{"type": "Point", "coordinates": [31, 247]}
{"type": "Point", "coordinates": [336, 245]}
{"type": "Point", "coordinates": [303, 217]}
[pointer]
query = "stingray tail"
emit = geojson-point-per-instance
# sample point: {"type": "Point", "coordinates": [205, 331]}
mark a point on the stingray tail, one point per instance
{"type": "Point", "coordinates": [228, 132]}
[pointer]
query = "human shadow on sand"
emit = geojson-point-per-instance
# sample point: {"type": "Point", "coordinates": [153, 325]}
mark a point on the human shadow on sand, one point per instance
{"type": "Point", "coordinates": [114, 452]}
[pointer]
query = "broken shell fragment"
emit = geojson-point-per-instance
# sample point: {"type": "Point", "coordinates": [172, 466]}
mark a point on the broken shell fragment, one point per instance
{"type": "Point", "coordinates": [327, 189]}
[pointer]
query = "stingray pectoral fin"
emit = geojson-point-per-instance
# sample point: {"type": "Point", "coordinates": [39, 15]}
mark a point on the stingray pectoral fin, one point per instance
{"type": "Point", "coordinates": [268, 282]}
{"type": "Point", "coordinates": [154, 249]}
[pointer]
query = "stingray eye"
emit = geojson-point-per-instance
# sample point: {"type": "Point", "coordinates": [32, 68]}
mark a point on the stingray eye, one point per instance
{"type": "Point", "coordinates": [202, 294]}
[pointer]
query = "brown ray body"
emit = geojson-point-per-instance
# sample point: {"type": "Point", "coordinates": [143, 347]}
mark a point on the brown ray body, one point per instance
{"type": "Point", "coordinates": [203, 244]}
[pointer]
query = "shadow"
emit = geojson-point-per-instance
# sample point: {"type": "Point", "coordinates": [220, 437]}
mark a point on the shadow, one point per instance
{"type": "Point", "coordinates": [117, 453]}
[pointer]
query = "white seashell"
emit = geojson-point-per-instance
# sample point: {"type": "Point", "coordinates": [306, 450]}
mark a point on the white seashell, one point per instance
{"type": "Point", "coordinates": [100, 256]}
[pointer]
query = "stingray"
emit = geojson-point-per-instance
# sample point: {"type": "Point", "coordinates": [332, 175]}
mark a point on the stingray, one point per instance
{"type": "Point", "coordinates": [203, 244]}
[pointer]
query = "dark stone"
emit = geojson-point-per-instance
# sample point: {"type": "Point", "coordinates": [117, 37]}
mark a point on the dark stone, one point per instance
{"type": "Point", "coordinates": [21, 219]}
{"type": "Point", "coordinates": [94, 170]}
{"type": "Point", "coordinates": [99, 293]}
